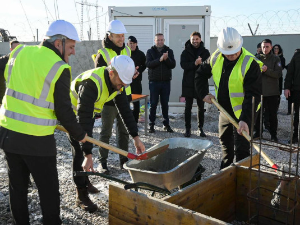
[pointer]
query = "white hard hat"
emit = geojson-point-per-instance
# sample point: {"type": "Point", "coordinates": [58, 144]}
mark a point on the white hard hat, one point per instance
{"type": "Point", "coordinates": [124, 65]}
{"type": "Point", "coordinates": [116, 27]}
{"type": "Point", "coordinates": [229, 41]}
{"type": "Point", "coordinates": [63, 27]}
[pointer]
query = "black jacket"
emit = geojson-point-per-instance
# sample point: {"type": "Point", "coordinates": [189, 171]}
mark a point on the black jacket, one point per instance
{"type": "Point", "coordinates": [3, 61]}
{"type": "Point", "coordinates": [187, 62]}
{"type": "Point", "coordinates": [160, 71]}
{"type": "Point", "coordinates": [106, 43]}
{"type": "Point", "coordinates": [24, 144]}
{"type": "Point", "coordinates": [292, 78]}
{"type": "Point", "coordinates": [87, 96]}
{"type": "Point", "coordinates": [252, 86]}
{"type": "Point", "coordinates": [99, 61]}
{"type": "Point", "coordinates": [139, 59]}
{"type": "Point", "coordinates": [270, 78]}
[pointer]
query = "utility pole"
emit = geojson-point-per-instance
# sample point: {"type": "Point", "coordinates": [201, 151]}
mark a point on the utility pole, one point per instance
{"type": "Point", "coordinates": [97, 16]}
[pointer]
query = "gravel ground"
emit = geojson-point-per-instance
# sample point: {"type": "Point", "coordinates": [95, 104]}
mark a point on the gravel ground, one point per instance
{"type": "Point", "coordinates": [73, 215]}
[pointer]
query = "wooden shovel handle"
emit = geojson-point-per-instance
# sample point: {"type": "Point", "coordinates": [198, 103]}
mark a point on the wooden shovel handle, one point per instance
{"type": "Point", "coordinates": [104, 145]}
{"type": "Point", "coordinates": [263, 154]}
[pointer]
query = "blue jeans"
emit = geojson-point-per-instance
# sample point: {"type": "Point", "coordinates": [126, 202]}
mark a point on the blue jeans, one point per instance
{"type": "Point", "coordinates": [159, 89]}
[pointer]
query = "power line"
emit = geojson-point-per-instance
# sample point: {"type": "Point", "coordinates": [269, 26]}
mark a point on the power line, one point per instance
{"type": "Point", "coordinates": [57, 9]}
{"type": "Point", "coordinates": [88, 21]}
{"type": "Point", "coordinates": [48, 10]}
{"type": "Point", "coordinates": [76, 11]}
{"type": "Point", "coordinates": [27, 19]}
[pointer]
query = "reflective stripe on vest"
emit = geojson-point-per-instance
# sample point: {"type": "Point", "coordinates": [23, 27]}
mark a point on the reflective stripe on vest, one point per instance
{"type": "Point", "coordinates": [41, 102]}
{"type": "Point", "coordinates": [100, 84]}
{"type": "Point", "coordinates": [236, 78]}
{"type": "Point", "coordinates": [97, 76]}
{"type": "Point", "coordinates": [12, 61]}
{"type": "Point", "coordinates": [24, 105]}
{"type": "Point", "coordinates": [215, 58]}
{"type": "Point", "coordinates": [109, 53]}
{"type": "Point", "coordinates": [28, 119]}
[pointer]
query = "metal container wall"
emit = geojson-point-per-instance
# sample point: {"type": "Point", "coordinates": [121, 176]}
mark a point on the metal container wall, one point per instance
{"type": "Point", "coordinates": [180, 165]}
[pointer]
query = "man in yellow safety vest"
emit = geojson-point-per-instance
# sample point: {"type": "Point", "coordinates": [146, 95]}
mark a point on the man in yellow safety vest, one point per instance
{"type": "Point", "coordinates": [113, 45]}
{"type": "Point", "coordinates": [89, 92]}
{"type": "Point", "coordinates": [37, 96]}
{"type": "Point", "coordinates": [237, 78]}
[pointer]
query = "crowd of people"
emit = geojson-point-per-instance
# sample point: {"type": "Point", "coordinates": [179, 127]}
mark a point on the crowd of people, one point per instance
{"type": "Point", "coordinates": [29, 114]}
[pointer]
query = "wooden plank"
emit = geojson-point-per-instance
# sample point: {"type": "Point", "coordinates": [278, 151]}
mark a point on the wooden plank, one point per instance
{"type": "Point", "coordinates": [136, 208]}
{"type": "Point", "coordinates": [246, 161]}
{"type": "Point", "coordinates": [116, 221]}
{"type": "Point", "coordinates": [213, 196]}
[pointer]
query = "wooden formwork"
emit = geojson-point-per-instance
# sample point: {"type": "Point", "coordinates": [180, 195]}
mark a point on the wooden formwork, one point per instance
{"type": "Point", "coordinates": [217, 199]}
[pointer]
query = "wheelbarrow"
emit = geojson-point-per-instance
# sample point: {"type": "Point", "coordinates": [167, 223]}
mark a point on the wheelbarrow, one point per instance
{"type": "Point", "coordinates": [173, 168]}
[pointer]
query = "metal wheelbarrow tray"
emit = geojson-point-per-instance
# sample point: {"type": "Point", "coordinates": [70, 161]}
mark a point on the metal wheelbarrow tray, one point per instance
{"type": "Point", "coordinates": [173, 167]}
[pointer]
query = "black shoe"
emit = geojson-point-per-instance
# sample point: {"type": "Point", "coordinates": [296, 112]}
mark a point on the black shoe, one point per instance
{"type": "Point", "coordinates": [104, 168]}
{"type": "Point", "coordinates": [187, 133]}
{"type": "Point", "coordinates": [83, 200]}
{"type": "Point", "coordinates": [151, 130]}
{"type": "Point", "coordinates": [122, 161]}
{"type": "Point", "coordinates": [168, 129]}
{"type": "Point", "coordinates": [289, 113]}
{"type": "Point", "coordinates": [274, 138]}
{"type": "Point", "coordinates": [202, 134]}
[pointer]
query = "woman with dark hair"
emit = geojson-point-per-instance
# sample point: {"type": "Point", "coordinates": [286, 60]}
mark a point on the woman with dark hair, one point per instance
{"type": "Point", "coordinates": [277, 50]}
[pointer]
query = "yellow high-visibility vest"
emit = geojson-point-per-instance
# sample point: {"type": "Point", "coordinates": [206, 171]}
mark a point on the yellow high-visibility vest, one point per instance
{"type": "Point", "coordinates": [97, 76]}
{"type": "Point", "coordinates": [28, 103]}
{"type": "Point", "coordinates": [108, 54]}
{"type": "Point", "coordinates": [236, 78]}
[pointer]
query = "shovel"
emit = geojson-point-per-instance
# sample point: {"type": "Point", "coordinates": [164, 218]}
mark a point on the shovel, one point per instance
{"type": "Point", "coordinates": [273, 165]}
{"type": "Point", "coordinates": [151, 152]}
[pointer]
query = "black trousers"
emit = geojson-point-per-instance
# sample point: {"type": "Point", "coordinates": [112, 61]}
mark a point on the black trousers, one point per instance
{"type": "Point", "coordinates": [44, 173]}
{"type": "Point", "coordinates": [296, 101]}
{"type": "Point", "coordinates": [290, 102]}
{"type": "Point", "coordinates": [231, 142]}
{"type": "Point", "coordinates": [271, 103]}
{"type": "Point", "coordinates": [188, 112]}
{"type": "Point", "coordinates": [77, 153]}
{"type": "Point", "coordinates": [136, 88]}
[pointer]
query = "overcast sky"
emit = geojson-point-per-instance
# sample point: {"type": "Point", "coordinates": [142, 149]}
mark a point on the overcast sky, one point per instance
{"type": "Point", "coordinates": [23, 17]}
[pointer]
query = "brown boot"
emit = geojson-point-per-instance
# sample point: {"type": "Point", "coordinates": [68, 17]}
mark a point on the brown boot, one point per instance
{"type": "Point", "coordinates": [83, 200]}
{"type": "Point", "coordinates": [92, 189]}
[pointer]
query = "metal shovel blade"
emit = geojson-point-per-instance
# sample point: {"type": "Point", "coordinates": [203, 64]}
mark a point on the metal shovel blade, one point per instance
{"type": "Point", "coordinates": [151, 152]}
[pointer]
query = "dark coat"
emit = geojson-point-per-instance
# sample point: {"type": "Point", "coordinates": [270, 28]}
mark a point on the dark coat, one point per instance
{"type": "Point", "coordinates": [107, 43]}
{"type": "Point", "coordinates": [139, 59]}
{"type": "Point", "coordinates": [160, 71]}
{"type": "Point", "coordinates": [187, 62]}
{"type": "Point", "coordinates": [292, 79]}
{"type": "Point", "coordinates": [99, 61]}
{"type": "Point", "coordinates": [88, 92]}
{"type": "Point", "coordinates": [3, 61]}
{"type": "Point", "coordinates": [270, 78]}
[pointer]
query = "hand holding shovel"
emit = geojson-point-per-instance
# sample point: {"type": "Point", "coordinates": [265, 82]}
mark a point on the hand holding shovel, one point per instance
{"type": "Point", "coordinates": [145, 155]}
